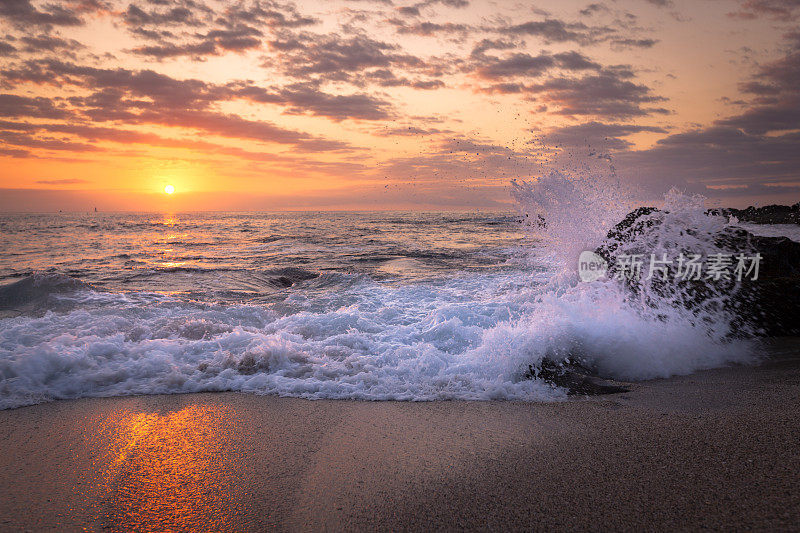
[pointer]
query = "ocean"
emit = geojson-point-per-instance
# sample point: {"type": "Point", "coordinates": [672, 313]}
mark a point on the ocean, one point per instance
{"type": "Point", "coordinates": [366, 306]}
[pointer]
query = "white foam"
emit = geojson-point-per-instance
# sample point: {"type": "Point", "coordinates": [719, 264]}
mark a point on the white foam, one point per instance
{"type": "Point", "coordinates": [468, 337]}
{"type": "Point", "coordinates": [792, 231]}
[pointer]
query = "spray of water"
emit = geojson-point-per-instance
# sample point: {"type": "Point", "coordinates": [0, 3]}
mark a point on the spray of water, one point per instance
{"type": "Point", "coordinates": [466, 336]}
{"type": "Point", "coordinates": [626, 329]}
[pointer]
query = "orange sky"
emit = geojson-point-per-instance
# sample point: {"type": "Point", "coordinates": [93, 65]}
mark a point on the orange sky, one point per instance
{"type": "Point", "coordinates": [382, 104]}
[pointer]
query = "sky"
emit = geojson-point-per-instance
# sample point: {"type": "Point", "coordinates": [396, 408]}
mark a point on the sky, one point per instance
{"type": "Point", "coordinates": [392, 104]}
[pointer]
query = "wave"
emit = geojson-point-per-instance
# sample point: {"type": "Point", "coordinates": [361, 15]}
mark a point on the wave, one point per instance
{"type": "Point", "coordinates": [37, 290]}
{"type": "Point", "coordinates": [471, 336]}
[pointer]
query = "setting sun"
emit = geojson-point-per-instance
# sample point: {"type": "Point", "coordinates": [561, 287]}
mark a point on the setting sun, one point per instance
{"type": "Point", "coordinates": [169, 189]}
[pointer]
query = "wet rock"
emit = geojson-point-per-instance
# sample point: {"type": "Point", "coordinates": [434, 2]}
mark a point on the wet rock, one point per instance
{"type": "Point", "coordinates": [767, 306]}
{"type": "Point", "coordinates": [769, 214]}
{"type": "Point", "coordinates": [574, 377]}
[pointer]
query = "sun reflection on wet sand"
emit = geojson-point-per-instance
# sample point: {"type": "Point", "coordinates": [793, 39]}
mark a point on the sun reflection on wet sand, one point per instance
{"type": "Point", "coordinates": [165, 472]}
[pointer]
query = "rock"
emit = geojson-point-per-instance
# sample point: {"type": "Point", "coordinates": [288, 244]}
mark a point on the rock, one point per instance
{"type": "Point", "coordinates": [768, 306]}
{"type": "Point", "coordinates": [574, 377]}
{"type": "Point", "coordinates": [769, 214]}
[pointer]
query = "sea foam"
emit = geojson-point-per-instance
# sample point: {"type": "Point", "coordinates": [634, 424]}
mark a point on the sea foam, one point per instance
{"type": "Point", "coordinates": [470, 336]}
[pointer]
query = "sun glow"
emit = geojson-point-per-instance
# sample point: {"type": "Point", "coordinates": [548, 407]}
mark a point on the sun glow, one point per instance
{"type": "Point", "coordinates": [169, 189]}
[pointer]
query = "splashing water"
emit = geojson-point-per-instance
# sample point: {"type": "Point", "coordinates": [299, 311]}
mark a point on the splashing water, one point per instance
{"type": "Point", "coordinates": [420, 308]}
{"type": "Point", "coordinates": [631, 330]}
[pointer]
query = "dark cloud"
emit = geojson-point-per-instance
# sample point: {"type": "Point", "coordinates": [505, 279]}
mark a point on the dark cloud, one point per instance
{"type": "Point", "coordinates": [554, 30]}
{"type": "Point", "coordinates": [307, 98]}
{"type": "Point", "coordinates": [23, 14]}
{"type": "Point", "coordinates": [172, 15]}
{"type": "Point", "coordinates": [14, 152]}
{"type": "Point", "coordinates": [715, 156]}
{"type": "Point", "coordinates": [518, 64]}
{"type": "Point", "coordinates": [267, 13]}
{"type": "Point", "coordinates": [598, 134]}
{"type": "Point", "coordinates": [660, 3]}
{"type": "Point", "coordinates": [6, 48]}
{"type": "Point", "coordinates": [48, 143]}
{"type": "Point", "coordinates": [414, 10]}
{"type": "Point", "coordinates": [64, 181]}
{"type": "Point", "coordinates": [429, 29]}
{"type": "Point", "coordinates": [336, 57]}
{"type": "Point", "coordinates": [44, 43]}
{"type": "Point", "coordinates": [748, 154]}
{"type": "Point", "coordinates": [411, 131]}
{"type": "Point", "coordinates": [605, 94]}
{"type": "Point", "coordinates": [619, 33]}
{"type": "Point", "coordinates": [146, 96]}
{"type": "Point", "coordinates": [12, 105]}
{"type": "Point", "coordinates": [592, 9]}
{"type": "Point", "coordinates": [194, 30]}
{"type": "Point", "coordinates": [214, 42]}
{"type": "Point", "coordinates": [776, 9]}
{"type": "Point", "coordinates": [485, 45]}
{"type": "Point", "coordinates": [523, 64]}
{"type": "Point", "coordinates": [161, 51]}
{"type": "Point", "coordinates": [776, 88]}
{"type": "Point", "coordinates": [633, 43]}
{"type": "Point", "coordinates": [464, 160]}
{"type": "Point", "coordinates": [387, 78]}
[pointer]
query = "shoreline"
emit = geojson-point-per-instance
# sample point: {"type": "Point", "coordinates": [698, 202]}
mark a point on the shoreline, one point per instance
{"type": "Point", "coordinates": [713, 449]}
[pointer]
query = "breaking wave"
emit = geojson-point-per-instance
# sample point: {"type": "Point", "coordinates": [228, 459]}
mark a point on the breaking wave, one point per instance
{"type": "Point", "coordinates": [469, 335]}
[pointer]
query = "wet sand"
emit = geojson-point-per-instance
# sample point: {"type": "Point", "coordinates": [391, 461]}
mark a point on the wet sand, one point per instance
{"type": "Point", "coordinates": [717, 449]}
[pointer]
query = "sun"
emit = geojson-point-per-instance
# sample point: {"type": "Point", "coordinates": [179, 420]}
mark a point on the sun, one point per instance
{"type": "Point", "coordinates": [169, 189]}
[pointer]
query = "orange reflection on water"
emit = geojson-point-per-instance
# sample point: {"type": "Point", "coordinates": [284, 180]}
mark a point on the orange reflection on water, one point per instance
{"type": "Point", "coordinates": [169, 220]}
{"type": "Point", "coordinates": [166, 472]}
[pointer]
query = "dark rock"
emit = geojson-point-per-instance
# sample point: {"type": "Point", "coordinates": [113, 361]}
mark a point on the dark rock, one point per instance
{"type": "Point", "coordinates": [574, 377]}
{"type": "Point", "coordinates": [769, 214]}
{"type": "Point", "coordinates": [634, 224]}
{"type": "Point", "coordinates": [767, 306]}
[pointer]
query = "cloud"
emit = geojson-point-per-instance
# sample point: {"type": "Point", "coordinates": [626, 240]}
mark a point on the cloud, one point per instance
{"type": "Point", "coordinates": [557, 31]}
{"type": "Point", "coordinates": [23, 14]}
{"type": "Point", "coordinates": [660, 3]}
{"type": "Point", "coordinates": [591, 9]}
{"type": "Point", "coordinates": [64, 181]}
{"type": "Point", "coordinates": [605, 94]}
{"type": "Point", "coordinates": [414, 10]}
{"type": "Point", "coordinates": [604, 136]}
{"type": "Point", "coordinates": [776, 87]}
{"type": "Point", "coordinates": [715, 156]}
{"type": "Point", "coordinates": [171, 16]}
{"type": "Point", "coordinates": [775, 9]}
{"type": "Point", "coordinates": [195, 30]}
{"type": "Point", "coordinates": [307, 98]}
{"type": "Point", "coordinates": [268, 13]}
{"type": "Point", "coordinates": [12, 105]}
{"type": "Point", "coordinates": [523, 64]}
{"type": "Point", "coordinates": [14, 152]}
{"type": "Point", "coordinates": [411, 131]}
{"type": "Point", "coordinates": [633, 43]}
{"type": "Point", "coordinates": [429, 29]}
{"type": "Point", "coordinates": [145, 96]}
{"type": "Point", "coordinates": [44, 43]}
{"type": "Point", "coordinates": [335, 57]}
{"type": "Point", "coordinates": [464, 160]}
{"type": "Point", "coordinates": [6, 48]}
{"type": "Point", "coordinates": [48, 143]}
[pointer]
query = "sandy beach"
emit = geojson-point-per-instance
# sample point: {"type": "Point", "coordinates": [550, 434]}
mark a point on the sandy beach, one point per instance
{"type": "Point", "coordinates": [717, 449]}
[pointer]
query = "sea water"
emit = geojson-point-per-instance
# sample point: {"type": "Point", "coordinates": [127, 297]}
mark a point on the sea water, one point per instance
{"type": "Point", "coordinates": [349, 305]}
